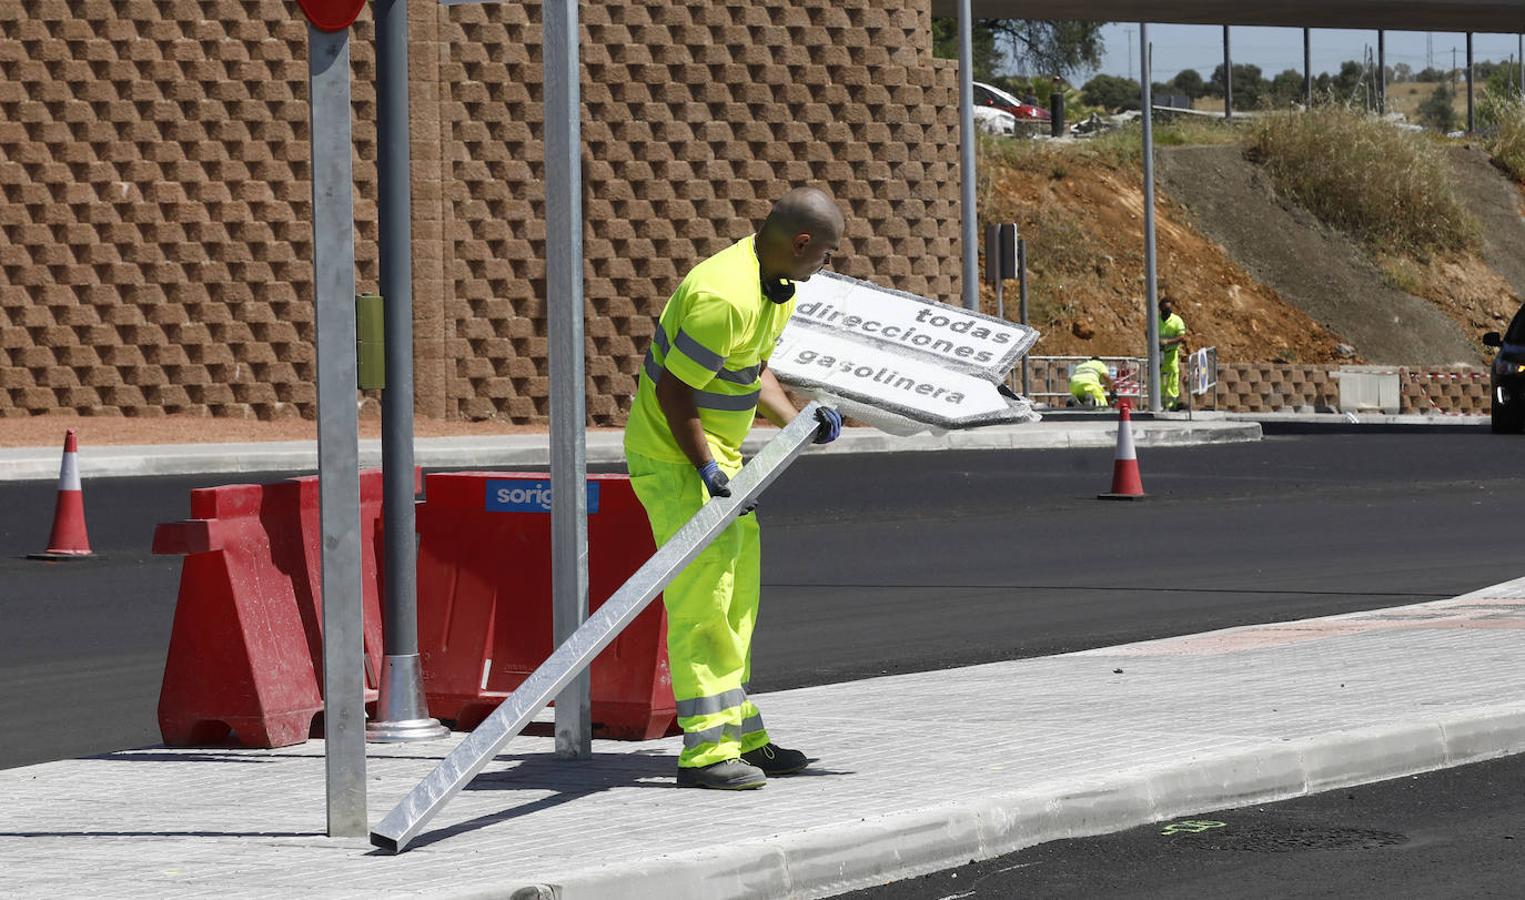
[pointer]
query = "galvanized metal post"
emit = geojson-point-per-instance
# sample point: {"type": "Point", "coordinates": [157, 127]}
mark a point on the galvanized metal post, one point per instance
{"type": "Point", "coordinates": [1228, 77]}
{"type": "Point", "coordinates": [1151, 311]}
{"type": "Point", "coordinates": [1307, 68]}
{"type": "Point", "coordinates": [564, 317]}
{"type": "Point", "coordinates": [402, 713]}
{"type": "Point", "coordinates": [1521, 58]}
{"type": "Point", "coordinates": [1471, 79]}
{"type": "Point", "coordinates": [333, 251]}
{"type": "Point", "coordinates": [967, 138]}
{"type": "Point", "coordinates": [1381, 72]}
{"type": "Point", "coordinates": [1022, 308]}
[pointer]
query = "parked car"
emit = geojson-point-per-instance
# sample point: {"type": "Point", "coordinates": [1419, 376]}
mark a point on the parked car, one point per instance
{"type": "Point", "coordinates": [1028, 114]}
{"type": "Point", "coordinates": [1508, 377]}
{"type": "Point", "coordinates": [994, 121]}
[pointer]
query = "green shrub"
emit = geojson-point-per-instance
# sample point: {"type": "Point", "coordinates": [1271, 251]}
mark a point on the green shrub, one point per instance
{"type": "Point", "coordinates": [1390, 188]}
{"type": "Point", "coordinates": [1439, 110]}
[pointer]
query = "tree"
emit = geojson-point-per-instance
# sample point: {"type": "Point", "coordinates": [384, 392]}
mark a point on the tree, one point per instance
{"type": "Point", "coordinates": [987, 57]}
{"type": "Point", "coordinates": [1049, 48]}
{"type": "Point", "coordinates": [1053, 48]}
{"type": "Point", "coordinates": [1189, 82]}
{"type": "Point", "coordinates": [1286, 88]}
{"type": "Point", "coordinates": [1439, 111]}
{"type": "Point", "coordinates": [1111, 92]}
{"type": "Point", "coordinates": [1402, 72]}
{"type": "Point", "coordinates": [1249, 86]}
{"type": "Point", "coordinates": [1349, 84]}
{"type": "Point", "coordinates": [1432, 76]}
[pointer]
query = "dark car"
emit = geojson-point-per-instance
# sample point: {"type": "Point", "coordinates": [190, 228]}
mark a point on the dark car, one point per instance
{"type": "Point", "coordinates": [1508, 381]}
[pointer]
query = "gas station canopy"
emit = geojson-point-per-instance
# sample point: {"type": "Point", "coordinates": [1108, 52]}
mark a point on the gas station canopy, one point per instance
{"type": "Point", "coordinates": [1500, 16]}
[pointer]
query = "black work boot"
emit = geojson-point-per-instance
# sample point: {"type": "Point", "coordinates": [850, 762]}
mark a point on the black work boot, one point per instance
{"type": "Point", "coordinates": [727, 775]}
{"type": "Point", "coordinates": [775, 760]}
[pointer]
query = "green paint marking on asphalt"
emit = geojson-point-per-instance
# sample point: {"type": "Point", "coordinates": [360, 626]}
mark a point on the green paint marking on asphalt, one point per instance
{"type": "Point", "coordinates": [1192, 826]}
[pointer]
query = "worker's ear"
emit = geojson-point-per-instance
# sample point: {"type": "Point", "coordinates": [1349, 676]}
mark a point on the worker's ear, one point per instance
{"type": "Point", "coordinates": [801, 241]}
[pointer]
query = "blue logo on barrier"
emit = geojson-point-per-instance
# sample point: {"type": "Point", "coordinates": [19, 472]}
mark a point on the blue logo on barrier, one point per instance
{"type": "Point", "coordinates": [529, 495]}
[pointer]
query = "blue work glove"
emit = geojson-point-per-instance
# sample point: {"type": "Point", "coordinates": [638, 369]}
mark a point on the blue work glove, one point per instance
{"type": "Point", "coordinates": [715, 481]}
{"type": "Point", "coordinates": [831, 425]}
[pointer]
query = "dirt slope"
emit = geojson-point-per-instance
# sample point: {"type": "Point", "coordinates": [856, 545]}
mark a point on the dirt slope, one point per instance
{"type": "Point", "coordinates": [1320, 271]}
{"type": "Point", "coordinates": [1497, 202]}
{"type": "Point", "coordinates": [1083, 220]}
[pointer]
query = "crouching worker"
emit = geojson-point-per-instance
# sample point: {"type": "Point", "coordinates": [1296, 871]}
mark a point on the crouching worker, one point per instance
{"type": "Point", "coordinates": [704, 380]}
{"type": "Point", "coordinates": [1091, 385]}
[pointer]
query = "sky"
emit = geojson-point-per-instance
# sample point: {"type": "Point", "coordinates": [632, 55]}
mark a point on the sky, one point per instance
{"type": "Point", "coordinates": [1200, 47]}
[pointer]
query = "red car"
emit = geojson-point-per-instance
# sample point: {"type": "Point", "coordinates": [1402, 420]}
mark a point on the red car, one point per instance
{"type": "Point", "coordinates": [986, 95]}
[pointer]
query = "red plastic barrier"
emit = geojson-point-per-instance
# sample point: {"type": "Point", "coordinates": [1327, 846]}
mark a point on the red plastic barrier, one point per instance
{"type": "Point", "coordinates": [246, 652]}
{"type": "Point", "coordinates": [484, 599]}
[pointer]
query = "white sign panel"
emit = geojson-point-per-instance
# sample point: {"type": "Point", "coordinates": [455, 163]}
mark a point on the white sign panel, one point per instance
{"type": "Point", "coordinates": [957, 337]}
{"type": "Point", "coordinates": [900, 362]}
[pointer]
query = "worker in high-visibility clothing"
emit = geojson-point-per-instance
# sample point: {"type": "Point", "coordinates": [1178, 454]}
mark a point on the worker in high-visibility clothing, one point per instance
{"type": "Point", "coordinates": [1091, 383]}
{"type": "Point", "coordinates": [1172, 343]}
{"type": "Point", "coordinates": [704, 380]}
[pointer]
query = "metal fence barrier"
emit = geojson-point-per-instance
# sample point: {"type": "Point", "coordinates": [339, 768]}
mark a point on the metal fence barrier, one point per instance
{"type": "Point", "coordinates": [1130, 375]}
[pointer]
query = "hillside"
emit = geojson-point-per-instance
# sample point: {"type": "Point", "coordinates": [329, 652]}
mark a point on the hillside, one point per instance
{"type": "Point", "coordinates": [1082, 217]}
{"type": "Point", "coordinates": [1252, 273]}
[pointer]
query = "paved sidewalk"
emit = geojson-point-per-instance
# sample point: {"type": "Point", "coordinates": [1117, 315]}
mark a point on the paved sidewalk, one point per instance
{"type": "Point", "coordinates": [525, 450]}
{"type": "Point", "coordinates": [917, 772]}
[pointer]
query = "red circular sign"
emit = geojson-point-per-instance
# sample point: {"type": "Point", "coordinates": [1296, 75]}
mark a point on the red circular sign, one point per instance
{"type": "Point", "coordinates": [331, 15]}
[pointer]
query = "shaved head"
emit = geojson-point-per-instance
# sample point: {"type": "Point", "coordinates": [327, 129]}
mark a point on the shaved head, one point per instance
{"type": "Point", "coordinates": [805, 210]}
{"type": "Point", "coordinates": [801, 232]}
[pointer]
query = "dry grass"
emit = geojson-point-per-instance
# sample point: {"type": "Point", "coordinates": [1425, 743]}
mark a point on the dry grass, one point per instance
{"type": "Point", "coordinates": [1390, 188]}
{"type": "Point", "coordinates": [1507, 144]}
{"type": "Point", "coordinates": [1122, 148]}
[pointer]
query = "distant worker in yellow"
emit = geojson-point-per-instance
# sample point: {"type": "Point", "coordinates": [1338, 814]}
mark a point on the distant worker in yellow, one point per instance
{"type": "Point", "coordinates": [1172, 345]}
{"type": "Point", "coordinates": [1091, 384]}
{"type": "Point", "coordinates": [704, 381]}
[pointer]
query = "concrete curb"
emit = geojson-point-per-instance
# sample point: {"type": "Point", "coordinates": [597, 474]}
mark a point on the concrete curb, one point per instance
{"type": "Point", "coordinates": [520, 451]}
{"type": "Point", "coordinates": [823, 862]}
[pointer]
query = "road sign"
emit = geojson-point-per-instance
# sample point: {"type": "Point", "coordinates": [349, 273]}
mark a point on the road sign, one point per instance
{"type": "Point", "coordinates": [331, 15]}
{"type": "Point", "coordinates": [900, 362]}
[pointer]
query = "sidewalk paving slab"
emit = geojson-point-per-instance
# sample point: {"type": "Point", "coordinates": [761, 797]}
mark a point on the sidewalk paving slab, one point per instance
{"type": "Point", "coordinates": [520, 451]}
{"type": "Point", "coordinates": [917, 772]}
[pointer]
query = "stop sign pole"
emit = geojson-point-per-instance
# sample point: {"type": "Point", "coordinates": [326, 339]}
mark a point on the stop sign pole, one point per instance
{"type": "Point", "coordinates": [333, 260]}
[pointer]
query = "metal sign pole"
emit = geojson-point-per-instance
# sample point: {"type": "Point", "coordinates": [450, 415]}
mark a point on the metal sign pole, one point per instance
{"type": "Point", "coordinates": [402, 712]}
{"type": "Point", "coordinates": [574, 655]}
{"type": "Point", "coordinates": [1027, 385]}
{"type": "Point", "coordinates": [967, 138]}
{"type": "Point", "coordinates": [333, 224]}
{"type": "Point", "coordinates": [564, 317]}
{"type": "Point", "coordinates": [1152, 309]}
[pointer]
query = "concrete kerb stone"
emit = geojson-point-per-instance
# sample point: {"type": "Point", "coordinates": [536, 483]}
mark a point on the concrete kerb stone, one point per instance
{"type": "Point", "coordinates": [604, 447]}
{"type": "Point", "coordinates": [824, 862]}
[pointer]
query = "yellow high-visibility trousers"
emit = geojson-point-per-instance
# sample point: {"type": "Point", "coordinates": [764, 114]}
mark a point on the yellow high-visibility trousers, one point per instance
{"type": "Point", "coordinates": [1170, 379]}
{"type": "Point", "coordinates": [711, 611]}
{"type": "Point", "coordinates": [1092, 391]}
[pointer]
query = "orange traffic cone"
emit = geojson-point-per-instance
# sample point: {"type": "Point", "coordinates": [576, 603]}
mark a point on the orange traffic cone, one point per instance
{"type": "Point", "coordinates": [69, 539]}
{"type": "Point", "coordinates": [1126, 483]}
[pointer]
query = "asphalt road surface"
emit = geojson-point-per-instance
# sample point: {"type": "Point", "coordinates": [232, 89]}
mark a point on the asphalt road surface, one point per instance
{"type": "Point", "coordinates": [883, 563]}
{"type": "Point", "coordinates": [1454, 833]}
